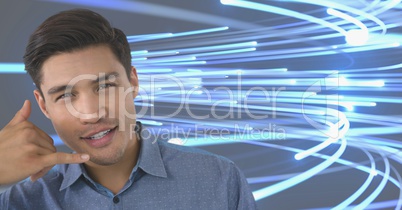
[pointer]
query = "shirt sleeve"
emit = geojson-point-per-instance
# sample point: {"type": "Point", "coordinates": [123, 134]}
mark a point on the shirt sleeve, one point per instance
{"type": "Point", "coordinates": [240, 196]}
{"type": "Point", "coordinates": [3, 199]}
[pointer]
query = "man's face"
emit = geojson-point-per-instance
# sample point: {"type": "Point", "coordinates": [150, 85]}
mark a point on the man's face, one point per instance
{"type": "Point", "coordinates": [89, 100]}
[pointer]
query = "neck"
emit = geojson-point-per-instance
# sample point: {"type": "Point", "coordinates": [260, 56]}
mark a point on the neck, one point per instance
{"type": "Point", "coordinates": [115, 176]}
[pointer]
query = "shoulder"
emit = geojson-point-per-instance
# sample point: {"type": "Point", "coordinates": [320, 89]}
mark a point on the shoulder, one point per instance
{"type": "Point", "coordinates": [215, 174]}
{"type": "Point", "coordinates": [179, 151]}
{"type": "Point", "coordinates": [186, 158]}
{"type": "Point", "coordinates": [26, 193]}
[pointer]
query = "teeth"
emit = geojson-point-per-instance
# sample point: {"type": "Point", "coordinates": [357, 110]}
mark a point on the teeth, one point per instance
{"type": "Point", "coordinates": [100, 134]}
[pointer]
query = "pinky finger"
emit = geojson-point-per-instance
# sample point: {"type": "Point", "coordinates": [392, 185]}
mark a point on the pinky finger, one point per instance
{"type": "Point", "coordinates": [63, 158]}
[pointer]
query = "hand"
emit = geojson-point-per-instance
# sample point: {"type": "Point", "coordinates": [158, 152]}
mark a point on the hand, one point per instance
{"type": "Point", "coordinates": [26, 150]}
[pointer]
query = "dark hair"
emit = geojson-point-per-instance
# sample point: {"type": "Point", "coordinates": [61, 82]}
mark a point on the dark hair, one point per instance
{"type": "Point", "coordinates": [72, 30]}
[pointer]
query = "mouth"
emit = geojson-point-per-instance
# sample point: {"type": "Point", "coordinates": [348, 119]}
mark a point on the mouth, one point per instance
{"type": "Point", "coordinates": [98, 135]}
{"type": "Point", "coordinates": [101, 138]}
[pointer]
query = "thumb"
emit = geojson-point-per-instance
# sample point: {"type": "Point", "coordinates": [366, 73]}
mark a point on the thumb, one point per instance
{"type": "Point", "coordinates": [23, 114]}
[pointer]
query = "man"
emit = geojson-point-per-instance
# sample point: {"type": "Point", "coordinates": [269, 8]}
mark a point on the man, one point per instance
{"type": "Point", "coordinates": [86, 85]}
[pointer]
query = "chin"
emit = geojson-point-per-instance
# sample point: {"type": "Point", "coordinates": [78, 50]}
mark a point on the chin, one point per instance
{"type": "Point", "coordinates": [107, 160]}
{"type": "Point", "coordinates": [104, 161]}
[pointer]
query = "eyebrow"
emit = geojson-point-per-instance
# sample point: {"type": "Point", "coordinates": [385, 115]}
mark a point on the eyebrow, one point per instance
{"type": "Point", "coordinates": [102, 78]}
{"type": "Point", "coordinates": [106, 77]}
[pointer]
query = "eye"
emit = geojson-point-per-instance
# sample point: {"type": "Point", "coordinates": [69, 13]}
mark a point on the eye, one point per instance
{"type": "Point", "coordinates": [63, 96]}
{"type": "Point", "coordinates": [106, 85]}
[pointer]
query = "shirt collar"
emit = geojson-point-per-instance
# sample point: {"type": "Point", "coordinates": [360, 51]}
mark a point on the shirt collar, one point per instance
{"type": "Point", "coordinates": [71, 174]}
{"type": "Point", "coordinates": [150, 161]}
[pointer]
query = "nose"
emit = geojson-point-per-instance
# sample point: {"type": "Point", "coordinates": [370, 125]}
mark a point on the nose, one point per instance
{"type": "Point", "coordinates": [88, 109]}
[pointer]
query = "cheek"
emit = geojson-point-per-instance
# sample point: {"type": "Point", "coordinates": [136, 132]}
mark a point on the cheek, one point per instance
{"type": "Point", "coordinates": [111, 104]}
{"type": "Point", "coordinates": [56, 109]}
{"type": "Point", "coordinates": [126, 110]}
{"type": "Point", "coordinates": [130, 107]}
{"type": "Point", "coordinates": [60, 117]}
{"type": "Point", "coordinates": [65, 129]}
{"type": "Point", "coordinates": [125, 103]}
{"type": "Point", "coordinates": [130, 104]}
{"type": "Point", "coordinates": [61, 128]}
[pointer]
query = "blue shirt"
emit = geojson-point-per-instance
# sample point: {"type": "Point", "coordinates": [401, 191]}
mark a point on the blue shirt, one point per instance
{"type": "Point", "coordinates": [166, 176]}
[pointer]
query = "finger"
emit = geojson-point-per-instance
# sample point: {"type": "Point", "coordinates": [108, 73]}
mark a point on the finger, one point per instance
{"type": "Point", "coordinates": [45, 146]}
{"type": "Point", "coordinates": [64, 158]}
{"type": "Point", "coordinates": [40, 173]}
{"type": "Point", "coordinates": [34, 135]}
{"type": "Point", "coordinates": [23, 114]}
{"type": "Point", "coordinates": [43, 139]}
{"type": "Point", "coordinates": [44, 151]}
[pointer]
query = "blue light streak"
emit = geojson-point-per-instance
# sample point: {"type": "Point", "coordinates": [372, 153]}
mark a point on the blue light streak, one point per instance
{"type": "Point", "coordinates": [380, 187]}
{"type": "Point", "coordinates": [353, 37]}
{"type": "Point", "coordinates": [156, 53]}
{"type": "Point", "coordinates": [281, 11]}
{"type": "Point", "coordinates": [12, 68]}
{"type": "Point", "coordinates": [344, 162]}
{"type": "Point", "coordinates": [349, 18]}
{"type": "Point", "coordinates": [360, 12]}
{"type": "Point", "coordinates": [175, 63]}
{"type": "Point", "coordinates": [337, 131]}
{"type": "Point", "coordinates": [278, 187]}
{"type": "Point", "coordinates": [138, 59]}
{"type": "Point", "coordinates": [362, 188]}
{"type": "Point", "coordinates": [225, 52]}
{"type": "Point", "coordinates": [388, 5]}
{"type": "Point", "coordinates": [159, 10]}
{"type": "Point", "coordinates": [141, 52]}
{"type": "Point", "coordinates": [168, 59]}
{"type": "Point", "coordinates": [147, 37]}
{"type": "Point", "coordinates": [218, 47]}
{"type": "Point", "coordinates": [154, 70]}
{"type": "Point", "coordinates": [197, 32]}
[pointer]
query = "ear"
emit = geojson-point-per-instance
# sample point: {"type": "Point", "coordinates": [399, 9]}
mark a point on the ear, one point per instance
{"type": "Point", "coordinates": [134, 81]}
{"type": "Point", "coordinates": [41, 102]}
